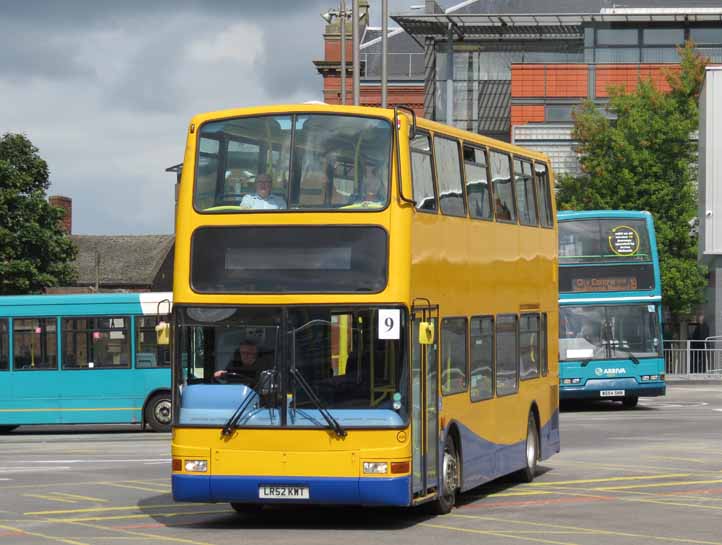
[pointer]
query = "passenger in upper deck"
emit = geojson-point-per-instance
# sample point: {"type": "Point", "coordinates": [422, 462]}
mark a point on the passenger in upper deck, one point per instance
{"type": "Point", "coordinates": [263, 199]}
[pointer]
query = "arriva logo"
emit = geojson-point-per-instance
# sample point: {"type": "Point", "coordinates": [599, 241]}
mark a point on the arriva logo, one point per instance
{"type": "Point", "coordinates": [599, 371]}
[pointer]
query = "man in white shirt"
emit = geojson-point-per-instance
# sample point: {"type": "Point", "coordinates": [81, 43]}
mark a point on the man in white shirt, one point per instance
{"type": "Point", "coordinates": [263, 199]}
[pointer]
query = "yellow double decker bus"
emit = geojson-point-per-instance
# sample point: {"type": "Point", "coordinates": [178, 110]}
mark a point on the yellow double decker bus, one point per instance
{"type": "Point", "coordinates": [365, 309]}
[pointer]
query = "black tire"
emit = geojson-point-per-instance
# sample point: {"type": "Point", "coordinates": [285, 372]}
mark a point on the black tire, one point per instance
{"type": "Point", "coordinates": [247, 508]}
{"type": "Point", "coordinates": [159, 413]}
{"type": "Point", "coordinates": [450, 479]}
{"type": "Point", "coordinates": [630, 402]}
{"type": "Point", "coordinates": [531, 451]}
{"type": "Point", "coordinates": [6, 429]}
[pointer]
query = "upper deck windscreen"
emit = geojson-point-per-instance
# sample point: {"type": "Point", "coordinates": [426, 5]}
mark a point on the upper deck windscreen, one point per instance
{"type": "Point", "coordinates": [293, 162]}
{"type": "Point", "coordinates": [595, 241]}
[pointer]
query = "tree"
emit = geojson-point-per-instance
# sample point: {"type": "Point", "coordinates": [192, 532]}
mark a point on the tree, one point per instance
{"type": "Point", "coordinates": [35, 251]}
{"type": "Point", "coordinates": [641, 157]}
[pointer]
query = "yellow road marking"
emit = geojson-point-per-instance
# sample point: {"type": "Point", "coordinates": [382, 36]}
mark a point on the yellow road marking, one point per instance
{"type": "Point", "coordinates": [76, 496]}
{"type": "Point", "coordinates": [43, 536]}
{"type": "Point", "coordinates": [153, 537]}
{"type": "Point", "coordinates": [496, 534]}
{"type": "Point", "coordinates": [654, 485]}
{"type": "Point", "coordinates": [677, 459]}
{"type": "Point", "coordinates": [49, 497]}
{"type": "Point", "coordinates": [612, 479]}
{"type": "Point", "coordinates": [134, 487]}
{"type": "Point", "coordinates": [146, 515]}
{"type": "Point", "coordinates": [99, 509]}
{"type": "Point", "coordinates": [589, 530]}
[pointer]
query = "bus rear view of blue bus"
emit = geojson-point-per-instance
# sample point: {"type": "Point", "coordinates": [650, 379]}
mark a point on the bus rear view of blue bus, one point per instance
{"type": "Point", "coordinates": [610, 316]}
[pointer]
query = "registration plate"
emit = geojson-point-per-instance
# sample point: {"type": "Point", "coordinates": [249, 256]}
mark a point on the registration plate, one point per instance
{"type": "Point", "coordinates": [283, 492]}
{"type": "Point", "coordinates": [611, 393]}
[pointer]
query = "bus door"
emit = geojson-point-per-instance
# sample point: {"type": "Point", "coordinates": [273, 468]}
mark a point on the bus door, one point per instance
{"type": "Point", "coordinates": [425, 418]}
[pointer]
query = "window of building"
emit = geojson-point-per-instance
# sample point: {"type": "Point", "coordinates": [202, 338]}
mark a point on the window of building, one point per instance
{"type": "Point", "coordinates": [663, 36]}
{"type": "Point", "coordinates": [478, 191]}
{"type": "Point", "coordinates": [617, 36]}
{"type": "Point", "coordinates": [35, 343]}
{"type": "Point", "coordinates": [558, 113]}
{"type": "Point", "coordinates": [524, 190]}
{"type": "Point", "coordinates": [482, 357]}
{"type": "Point", "coordinates": [453, 355]}
{"type": "Point", "coordinates": [544, 346]}
{"type": "Point", "coordinates": [503, 190]}
{"type": "Point", "coordinates": [529, 346]}
{"type": "Point", "coordinates": [507, 355]}
{"type": "Point", "coordinates": [4, 346]}
{"type": "Point", "coordinates": [612, 55]}
{"type": "Point", "coordinates": [422, 171]}
{"type": "Point", "coordinates": [448, 173]}
{"type": "Point", "coordinates": [660, 55]}
{"type": "Point", "coordinates": [543, 192]}
{"type": "Point", "coordinates": [708, 35]}
{"type": "Point", "coordinates": [96, 343]}
{"type": "Point", "coordinates": [148, 353]}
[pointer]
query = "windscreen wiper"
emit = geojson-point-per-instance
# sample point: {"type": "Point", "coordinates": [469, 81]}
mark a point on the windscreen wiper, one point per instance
{"type": "Point", "coordinates": [236, 416]}
{"type": "Point", "coordinates": [332, 422]}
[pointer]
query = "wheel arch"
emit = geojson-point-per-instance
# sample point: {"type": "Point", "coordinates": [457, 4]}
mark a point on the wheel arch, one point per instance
{"type": "Point", "coordinates": [151, 395]}
{"type": "Point", "coordinates": [452, 430]}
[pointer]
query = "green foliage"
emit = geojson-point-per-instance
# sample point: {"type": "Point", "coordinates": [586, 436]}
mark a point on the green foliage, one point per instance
{"type": "Point", "coordinates": [35, 252]}
{"type": "Point", "coordinates": [640, 157]}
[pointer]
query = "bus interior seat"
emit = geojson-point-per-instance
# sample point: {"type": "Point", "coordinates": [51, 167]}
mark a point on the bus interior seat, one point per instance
{"type": "Point", "coordinates": [313, 190]}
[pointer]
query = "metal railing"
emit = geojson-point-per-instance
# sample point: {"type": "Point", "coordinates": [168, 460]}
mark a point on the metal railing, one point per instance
{"type": "Point", "coordinates": [694, 358]}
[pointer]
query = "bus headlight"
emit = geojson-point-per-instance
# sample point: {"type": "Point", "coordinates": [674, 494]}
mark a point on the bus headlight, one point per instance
{"type": "Point", "coordinates": [571, 381]}
{"type": "Point", "coordinates": [376, 468]}
{"type": "Point", "coordinates": [196, 466]}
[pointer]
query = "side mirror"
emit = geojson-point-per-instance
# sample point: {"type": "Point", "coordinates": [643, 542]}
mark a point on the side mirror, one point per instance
{"type": "Point", "coordinates": [162, 333]}
{"type": "Point", "coordinates": [426, 333]}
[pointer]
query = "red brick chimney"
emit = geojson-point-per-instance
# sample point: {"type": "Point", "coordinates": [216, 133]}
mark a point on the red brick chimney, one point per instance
{"type": "Point", "coordinates": [66, 203]}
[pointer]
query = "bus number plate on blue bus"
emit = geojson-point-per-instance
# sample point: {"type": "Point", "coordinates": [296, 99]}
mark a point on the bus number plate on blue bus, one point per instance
{"type": "Point", "coordinates": [611, 393]}
{"type": "Point", "coordinates": [283, 492]}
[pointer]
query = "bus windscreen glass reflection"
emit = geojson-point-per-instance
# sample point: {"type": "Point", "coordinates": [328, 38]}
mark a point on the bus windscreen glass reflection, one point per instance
{"type": "Point", "coordinates": [296, 162]}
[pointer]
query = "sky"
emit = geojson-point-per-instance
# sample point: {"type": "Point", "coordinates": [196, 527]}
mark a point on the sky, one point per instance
{"type": "Point", "coordinates": [105, 89]}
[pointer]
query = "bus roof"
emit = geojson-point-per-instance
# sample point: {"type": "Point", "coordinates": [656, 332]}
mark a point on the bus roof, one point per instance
{"type": "Point", "coordinates": [149, 303]}
{"type": "Point", "coordinates": [565, 215]}
{"type": "Point", "coordinates": [387, 113]}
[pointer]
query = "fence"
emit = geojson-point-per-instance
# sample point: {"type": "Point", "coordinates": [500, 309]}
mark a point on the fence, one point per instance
{"type": "Point", "coordinates": [694, 358]}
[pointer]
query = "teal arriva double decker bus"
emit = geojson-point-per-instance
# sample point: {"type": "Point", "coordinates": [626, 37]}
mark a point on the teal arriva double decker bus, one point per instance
{"type": "Point", "coordinates": [84, 359]}
{"type": "Point", "coordinates": [610, 317]}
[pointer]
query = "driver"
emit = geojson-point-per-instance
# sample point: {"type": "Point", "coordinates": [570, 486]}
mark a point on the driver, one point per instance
{"type": "Point", "coordinates": [243, 367]}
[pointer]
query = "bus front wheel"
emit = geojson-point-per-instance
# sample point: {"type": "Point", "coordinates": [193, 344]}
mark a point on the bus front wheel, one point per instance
{"type": "Point", "coordinates": [7, 429]}
{"type": "Point", "coordinates": [630, 402]}
{"type": "Point", "coordinates": [158, 412]}
{"type": "Point", "coordinates": [531, 451]}
{"type": "Point", "coordinates": [450, 479]}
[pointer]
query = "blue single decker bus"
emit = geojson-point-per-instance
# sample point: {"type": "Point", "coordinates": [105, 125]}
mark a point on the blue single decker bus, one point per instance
{"type": "Point", "coordinates": [84, 359]}
{"type": "Point", "coordinates": [610, 316]}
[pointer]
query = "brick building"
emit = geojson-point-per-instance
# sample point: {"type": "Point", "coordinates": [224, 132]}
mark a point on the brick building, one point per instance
{"type": "Point", "coordinates": [515, 69]}
{"type": "Point", "coordinates": [128, 263]}
{"type": "Point", "coordinates": [405, 65]}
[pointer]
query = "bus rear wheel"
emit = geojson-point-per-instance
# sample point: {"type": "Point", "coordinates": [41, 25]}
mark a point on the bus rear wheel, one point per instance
{"type": "Point", "coordinates": [159, 413]}
{"type": "Point", "coordinates": [450, 479]}
{"type": "Point", "coordinates": [630, 402]}
{"type": "Point", "coordinates": [531, 451]}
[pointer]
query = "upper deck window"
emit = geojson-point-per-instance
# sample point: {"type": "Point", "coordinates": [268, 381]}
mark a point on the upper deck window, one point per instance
{"type": "Point", "coordinates": [296, 162]}
{"type": "Point", "coordinates": [612, 240]}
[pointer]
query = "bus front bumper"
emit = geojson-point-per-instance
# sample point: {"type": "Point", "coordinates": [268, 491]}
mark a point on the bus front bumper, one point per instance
{"type": "Point", "coordinates": [395, 491]}
{"type": "Point", "coordinates": [602, 388]}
